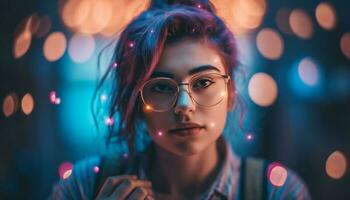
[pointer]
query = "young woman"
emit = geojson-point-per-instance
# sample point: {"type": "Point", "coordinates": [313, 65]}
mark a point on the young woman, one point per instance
{"type": "Point", "coordinates": [174, 72]}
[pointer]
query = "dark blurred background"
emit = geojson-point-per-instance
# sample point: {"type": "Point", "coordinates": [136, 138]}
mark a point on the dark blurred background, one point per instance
{"type": "Point", "coordinates": [295, 56]}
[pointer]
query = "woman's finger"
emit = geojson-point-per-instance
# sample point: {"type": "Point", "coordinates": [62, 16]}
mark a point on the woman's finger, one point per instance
{"type": "Point", "coordinates": [138, 194]}
{"type": "Point", "coordinates": [127, 186]}
{"type": "Point", "coordinates": [110, 184]}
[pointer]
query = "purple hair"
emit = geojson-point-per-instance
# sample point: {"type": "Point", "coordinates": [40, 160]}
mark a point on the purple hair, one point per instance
{"type": "Point", "coordinates": [139, 49]}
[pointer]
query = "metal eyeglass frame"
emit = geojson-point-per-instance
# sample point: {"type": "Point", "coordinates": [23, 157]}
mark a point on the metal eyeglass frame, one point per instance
{"type": "Point", "coordinates": [189, 91]}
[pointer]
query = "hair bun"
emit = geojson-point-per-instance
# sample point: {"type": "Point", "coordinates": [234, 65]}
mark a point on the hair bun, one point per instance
{"type": "Point", "coordinates": [203, 4]}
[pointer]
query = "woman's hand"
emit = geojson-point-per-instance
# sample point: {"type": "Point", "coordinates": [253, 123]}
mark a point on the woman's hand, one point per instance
{"type": "Point", "coordinates": [126, 187]}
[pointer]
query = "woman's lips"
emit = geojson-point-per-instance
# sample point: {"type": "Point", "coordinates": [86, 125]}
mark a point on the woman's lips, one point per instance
{"type": "Point", "coordinates": [192, 131]}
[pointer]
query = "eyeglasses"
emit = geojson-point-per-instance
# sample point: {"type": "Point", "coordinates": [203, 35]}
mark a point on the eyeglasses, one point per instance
{"type": "Point", "coordinates": [206, 90]}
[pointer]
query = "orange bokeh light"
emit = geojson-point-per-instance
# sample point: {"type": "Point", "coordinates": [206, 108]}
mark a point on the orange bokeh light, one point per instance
{"type": "Point", "coordinates": [10, 104]}
{"type": "Point", "coordinates": [336, 165]}
{"type": "Point", "coordinates": [345, 44]}
{"type": "Point", "coordinates": [55, 46]}
{"type": "Point", "coordinates": [262, 89]}
{"type": "Point", "coordinates": [27, 104]}
{"type": "Point", "coordinates": [270, 43]}
{"type": "Point", "coordinates": [301, 24]}
{"type": "Point", "coordinates": [325, 15]}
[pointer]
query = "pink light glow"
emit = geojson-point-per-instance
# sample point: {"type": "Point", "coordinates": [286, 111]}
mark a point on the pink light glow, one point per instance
{"type": "Point", "coordinates": [96, 169]}
{"type": "Point", "coordinates": [109, 121]}
{"type": "Point", "coordinates": [160, 133]}
{"type": "Point", "coordinates": [65, 170]}
{"type": "Point", "coordinates": [277, 174]}
{"type": "Point", "coordinates": [53, 98]}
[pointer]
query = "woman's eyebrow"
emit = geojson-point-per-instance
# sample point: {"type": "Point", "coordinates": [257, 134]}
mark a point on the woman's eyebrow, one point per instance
{"type": "Point", "coordinates": [191, 72]}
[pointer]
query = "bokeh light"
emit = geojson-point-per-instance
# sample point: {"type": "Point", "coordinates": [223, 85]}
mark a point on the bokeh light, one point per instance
{"type": "Point", "coordinates": [44, 26]}
{"type": "Point", "coordinates": [65, 170]}
{"type": "Point", "coordinates": [75, 12]}
{"type": "Point", "coordinates": [277, 174]}
{"type": "Point", "coordinates": [262, 89]}
{"type": "Point", "coordinates": [326, 15]}
{"type": "Point", "coordinates": [23, 36]}
{"type": "Point", "coordinates": [27, 104]}
{"type": "Point", "coordinates": [270, 43]}
{"type": "Point", "coordinates": [109, 121]}
{"type": "Point", "coordinates": [105, 17]}
{"type": "Point", "coordinates": [282, 20]}
{"type": "Point", "coordinates": [81, 47]}
{"type": "Point", "coordinates": [345, 44]}
{"type": "Point", "coordinates": [308, 71]}
{"type": "Point", "coordinates": [336, 165]}
{"type": "Point", "coordinates": [160, 133]}
{"type": "Point", "coordinates": [54, 99]}
{"type": "Point", "coordinates": [96, 169]}
{"type": "Point", "coordinates": [241, 16]}
{"type": "Point", "coordinates": [10, 105]}
{"type": "Point", "coordinates": [55, 46]}
{"type": "Point", "coordinates": [22, 44]}
{"type": "Point", "coordinates": [301, 24]}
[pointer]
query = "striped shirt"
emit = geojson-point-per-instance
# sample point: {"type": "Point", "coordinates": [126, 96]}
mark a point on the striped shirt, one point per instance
{"type": "Point", "coordinates": [227, 185]}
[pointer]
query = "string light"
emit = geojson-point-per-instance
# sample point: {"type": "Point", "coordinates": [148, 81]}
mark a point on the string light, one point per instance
{"type": "Point", "coordinates": [54, 99]}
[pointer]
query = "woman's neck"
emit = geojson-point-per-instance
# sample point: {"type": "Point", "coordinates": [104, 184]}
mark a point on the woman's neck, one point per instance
{"type": "Point", "coordinates": [184, 176]}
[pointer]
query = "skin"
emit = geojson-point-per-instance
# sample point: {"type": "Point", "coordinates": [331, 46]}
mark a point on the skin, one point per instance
{"type": "Point", "coordinates": [193, 161]}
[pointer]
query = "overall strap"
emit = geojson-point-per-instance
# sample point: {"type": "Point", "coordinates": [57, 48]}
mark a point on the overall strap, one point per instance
{"type": "Point", "coordinates": [253, 179]}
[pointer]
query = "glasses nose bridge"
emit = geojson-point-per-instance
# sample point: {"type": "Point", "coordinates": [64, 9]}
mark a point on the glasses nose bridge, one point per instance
{"type": "Point", "coordinates": [182, 101]}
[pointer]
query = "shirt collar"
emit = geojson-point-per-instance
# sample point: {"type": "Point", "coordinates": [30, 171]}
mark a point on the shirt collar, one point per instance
{"type": "Point", "coordinates": [226, 182]}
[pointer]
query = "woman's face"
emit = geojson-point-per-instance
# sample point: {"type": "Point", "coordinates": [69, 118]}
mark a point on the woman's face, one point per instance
{"type": "Point", "coordinates": [187, 128]}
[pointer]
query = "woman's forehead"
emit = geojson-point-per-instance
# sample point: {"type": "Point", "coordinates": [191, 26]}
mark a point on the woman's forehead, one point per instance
{"type": "Point", "coordinates": [188, 57]}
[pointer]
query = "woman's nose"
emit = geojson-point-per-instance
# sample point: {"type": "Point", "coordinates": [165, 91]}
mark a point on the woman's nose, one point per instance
{"type": "Point", "coordinates": [184, 103]}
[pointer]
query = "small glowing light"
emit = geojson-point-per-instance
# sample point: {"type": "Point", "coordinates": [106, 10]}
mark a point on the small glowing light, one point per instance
{"type": "Point", "coordinates": [131, 44]}
{"type": "Point", "coordinates": [115, 65]}
{"type": "Point", "coordinates": [277, 174]}
{"type": "Point", "coordinates": [301, 24]}
{"type": "Point", "coordinates": [282, 20]}
{"type": "Point", "coordinates": [53, 98]}
{"type": "Point", "coordinates": [27, 103]}
{"type": "Point", "coordinates": [160, 133]}
{"type": "Point", "coordinates": [216, 60]}
{"type": "Point", "coordinates": [262, 89]}
{"type": "Point", "coordinates": [55, 46]}
{"type": "Point", "coordinates": [67, 174]}
{"type": "Point", "coordinates": [96, 169]}
{"type": "Point", "coordinates": [270, 43]}
{"type": "Point", "coordinates": [199, 6]}
{"type": "Point", "coordinates": [148, 107]}
{"type": "Point", "coordinates": [308, 72]}
{"type": "Point", "coordinates": [325, 15]}
{"type": "Point", "coordinates": [22, 44]}
{"type": "Point", "coordinates": [345, 44]}
{"type": "Point", "coordinates": [125, 155]}
{"type": "Point", "coordinates": [103, 97]}
{"type": "Point", "coordinates": [81, 47]}
{"type": "Point", "coordinates": [249, 136]}
{"type": "Point", "coordinates": [58, 101]}
{"type": "Point", "coordinates": [152, 31]}
{"type": "Point", "coordinates": [65, 170]}
{"type": "Point", "coordinates": [10, 104]}
{"type": "Point", "coordinates": [212, 124]}
{"type": "Point", "coordinates": [336, 165]}
{"type": "Point", "coordinates": [109, 121]}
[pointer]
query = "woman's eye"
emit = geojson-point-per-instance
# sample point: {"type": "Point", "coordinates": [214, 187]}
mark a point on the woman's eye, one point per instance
{"type": "Point", "coordinates": [202, 83]}
{"type": "Point", "coordinates": [162, 88]}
